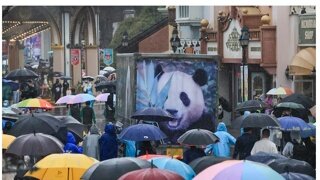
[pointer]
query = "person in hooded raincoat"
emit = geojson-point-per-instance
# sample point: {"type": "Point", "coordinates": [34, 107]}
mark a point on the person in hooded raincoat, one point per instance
{"type": "Point", "coordinates": [70, 146]}
{"type": "Point", "coordinates": [221, 148]}
{"type": "Point", "coordinates": [91, 143]}
{"type": "Point", "coordinates": [108, 143]}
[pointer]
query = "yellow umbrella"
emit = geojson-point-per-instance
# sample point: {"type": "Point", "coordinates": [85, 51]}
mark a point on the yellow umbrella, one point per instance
{"type": "Point", "coordinates": [65, 166]}
{"type": "Point", "coordinates": [7, 140]}
{"type": "Point", "coordinates": [303, 62]}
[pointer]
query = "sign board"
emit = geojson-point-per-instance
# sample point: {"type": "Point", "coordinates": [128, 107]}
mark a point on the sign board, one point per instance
{"type": "Point", "coordinates": [307, 29]}
{"type": "Point", "coordinates": [106, 55]}
{"type": "Point", "coordinates": [75, 56]}
{"type": "Point", "coordinates": [175, 152]}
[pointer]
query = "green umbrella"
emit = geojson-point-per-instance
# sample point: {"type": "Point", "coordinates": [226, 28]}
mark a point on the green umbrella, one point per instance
{"type": "Point", "coordinates": [290, 105]}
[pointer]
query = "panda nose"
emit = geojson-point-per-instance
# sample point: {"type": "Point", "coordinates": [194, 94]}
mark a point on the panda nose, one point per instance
{"type": "Point", "coordinates": [172, 111]}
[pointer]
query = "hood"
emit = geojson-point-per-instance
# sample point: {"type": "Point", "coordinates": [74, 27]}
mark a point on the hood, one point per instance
{"type": "Point", "coordinates": [221, 127]}
{"type": "Point", "coordinates": [110, 129]}
{"type": "Point", "coordinates": [70, 138]}
{"type": "Point", "coordinates": [94, 130]}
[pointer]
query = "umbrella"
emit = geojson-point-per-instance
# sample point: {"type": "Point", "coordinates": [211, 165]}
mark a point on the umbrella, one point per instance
{"type": "Point", "coordinates": [238, 169]}
{"type": "Point", "coordinates": [64, 99]}
{"type": "Point", "coordinates": [251, 105]}
{"type": "Point", "coordinates": [35, 144]}
{"type": "Point", "coordinates": [81, 98]}
{"type": "Point", "coordinates": [280, 91]}
{"type": "Point", "coordinates": [40, 123]}
{"type": "Point", "coordinates": [14, 85]}
{"type": "Point", "coordinates": [57, 74]}
{"type": "Point", "coordinates": [300, 99]}
{"type": "Point", "coordinates": [204, 162]}
{"type": "Point", "coordinates": [263, 157]}
{"type": "Point", "coordinates": [89, 78]}
{"type": "Point", "coordinates": [289, 105]}
{"type": "Point", "coordinates": [142, 132]}
{"type": "Point", "coordinates": [61, 166]}
{"type": "Point", "coordinates": [102, 97]}
{"type": "Point", "coordinates": [151, 174]}
{"type": "Point", "coordinates": [289, 123]}
{"type": "Point", "coordinates": [259, 120]}
{"type": "Point", "coordinates": [109, 69]}
{"type": "Point", "coordinates": [20, 74]}
{"type": "Point", "coordinates": [74, 126]}
{"type": "Point", "coordinates": [292, 165]}
{"type": "Point", "coordinates": [35, 103]}
{"type": "Point", "coordinates": [114, 168]}
{"type": "Point", "coordinates": [152, 114]}
{"type": "Point", "coordinates": [296, 176]}
{"type": "Point", "coordinates": [106, 84]}
{"type": "Point", "coordinates": [150, 156]}
{"type": "Point", "coordinates": [313, 111]}
{"type": "Point", "coordinates": [65, 77]}
{"type": "Point", "coordinates": [7, 140]}
{"type": "Point", "coordinates": [174, 165]}
{"type": "Point", "coordinates": [198, 137]}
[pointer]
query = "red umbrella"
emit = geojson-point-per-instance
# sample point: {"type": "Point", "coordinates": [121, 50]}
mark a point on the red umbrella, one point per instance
{"type": "Point", "coordinates": [151, 174]}
{"type": "Point", "coordinates": [149, 156]}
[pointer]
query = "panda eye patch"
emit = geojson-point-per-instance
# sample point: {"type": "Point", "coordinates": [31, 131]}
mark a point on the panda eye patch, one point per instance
{"type": "Point", "coordinates": [184, 98]}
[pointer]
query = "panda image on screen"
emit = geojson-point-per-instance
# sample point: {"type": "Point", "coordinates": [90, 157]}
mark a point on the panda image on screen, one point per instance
{"type": "Point", "coordinates": [185, 101]}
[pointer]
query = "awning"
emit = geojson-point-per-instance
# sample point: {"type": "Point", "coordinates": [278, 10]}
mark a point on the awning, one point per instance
{"type": "Point", "coordinates": [303, 62]}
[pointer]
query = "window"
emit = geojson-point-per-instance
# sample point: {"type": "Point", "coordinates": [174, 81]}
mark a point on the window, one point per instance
{"type": "Point", "coordinates": [183, 11]}
{"type": "Point", "coordinates": [305, 87]}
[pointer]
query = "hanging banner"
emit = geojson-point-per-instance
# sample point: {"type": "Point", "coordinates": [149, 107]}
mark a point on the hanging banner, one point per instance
{"type": "Point", "coordinates": [106, 55]}
{"type": "Point", "coordinates": [75, 56]}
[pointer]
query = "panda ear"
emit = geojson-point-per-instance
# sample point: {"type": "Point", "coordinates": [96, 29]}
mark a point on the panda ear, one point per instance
{"type": "Point", "coordinates": [158, 71]}
{"type": "Point", "coordinates": [200, 77]}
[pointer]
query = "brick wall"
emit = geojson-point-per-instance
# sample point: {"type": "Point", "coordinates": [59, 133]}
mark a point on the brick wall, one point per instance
{"type": "Point", "coordinates": [156, 43]}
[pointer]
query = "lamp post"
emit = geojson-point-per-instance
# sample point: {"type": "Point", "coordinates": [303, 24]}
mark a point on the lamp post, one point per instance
{"type": "Point", "coordinates": [244, 41]}
{"type": "Point", "coordinates": [82, 46]}
{"type": "Point", "coordinates": [175, 40]}
{"type": "Point", "coordinates": [125, 39]}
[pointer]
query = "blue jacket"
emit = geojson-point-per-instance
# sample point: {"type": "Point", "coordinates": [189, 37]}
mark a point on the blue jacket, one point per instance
{"type": "Point", "coordinates": [71, 146]}
{"type": "Point", "coordinates": [108, 143]}
{"type": "Point", "coordinates": [222, 148]}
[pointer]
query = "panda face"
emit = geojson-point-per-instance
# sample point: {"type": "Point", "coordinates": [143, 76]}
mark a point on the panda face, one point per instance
{"type": "Point", "coordinates": [185, 99]}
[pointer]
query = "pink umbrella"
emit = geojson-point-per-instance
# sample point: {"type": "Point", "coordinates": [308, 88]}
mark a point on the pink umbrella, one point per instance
{"type": "Point", "coordinates": [238, 169]}
{"type": "Point", "coordinates": [102, 97]}
{"type": "Point", "coordinates": [81, 98]}
{"type": "Point", "coordinates": [64, 99]}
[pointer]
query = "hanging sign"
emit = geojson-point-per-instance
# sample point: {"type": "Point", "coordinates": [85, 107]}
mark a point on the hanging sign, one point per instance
{"type": "Point", "coordinates": [75, 56]}
{"type": "Point", "coordinates": [106, 55]}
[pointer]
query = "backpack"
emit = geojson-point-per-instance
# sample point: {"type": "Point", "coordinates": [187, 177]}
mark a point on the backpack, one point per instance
{"type": "Point", "coordinates": [299, 152]}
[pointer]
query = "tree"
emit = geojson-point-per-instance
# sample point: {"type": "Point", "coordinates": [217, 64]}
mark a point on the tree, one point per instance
{"type": "Point", "coordinates": [145, 18]}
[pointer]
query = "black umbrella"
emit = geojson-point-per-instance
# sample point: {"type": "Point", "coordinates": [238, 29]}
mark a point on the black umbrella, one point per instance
{"type": "Point", "coordinates": [300, 99]}
{"type": "Point", "coordinates": [251, 105]}
{"type": "Point", "coordinates": [74, 126]}
{"type": "Point", "coordinates": [57, 74]}
{"type": "Point", "coordinates": [292, 165]}
{"type": "Point", "coordinates": [65, 77]}
{"type": "Point", "coordinates": [40, 123]}
{"type": "Point", "coordinates": [198, 137]}
{"type": "Point", "coordinates": [106, 84]}
{"type": "Point", "coordinates": [202, 163]}
{"type": "Point", "coordinates": [259, 120]}
{"type": "Point", "coordinates": [114, 168]}
{"type": "Point", "coordinates": [35, 144]}
{"type": "Point", "coordinates": [19, 74]}
{"type": "Point", "coordinates": [152, 114]}
{"type": "Point", "coordinates": [296, 176]}
{"type": "Point", "coordinates": [263, 157]}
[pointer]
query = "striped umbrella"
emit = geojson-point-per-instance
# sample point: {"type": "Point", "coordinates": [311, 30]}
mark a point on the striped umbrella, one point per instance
{"type": "Point", "coordinates": [280, 91]}
{"type": "Point", "coordinates": [35, 103]}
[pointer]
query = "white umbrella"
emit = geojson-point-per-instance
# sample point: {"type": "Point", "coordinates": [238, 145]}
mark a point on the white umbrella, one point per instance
{"type": "Point", "coordinates": [109, 68]}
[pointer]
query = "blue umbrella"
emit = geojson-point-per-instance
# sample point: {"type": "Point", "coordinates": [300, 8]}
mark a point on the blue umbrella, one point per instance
{"type": "Point", "coordinates": [14, 86]}
{"type": "Point", "coordinates": [290, 123]}
{"type": "Point", "coordinates": [142, 132]}
{"type": "Point", "coordinates": [174, 165]}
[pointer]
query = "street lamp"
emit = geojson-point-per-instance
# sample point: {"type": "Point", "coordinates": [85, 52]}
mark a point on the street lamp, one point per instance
{"type": "Point", "coordinates": [82, 46]}
{"type": "Point", "coordinates": [175, 40]}
{"type": "Point", "coordinates": [244, 41]}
